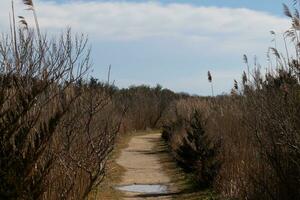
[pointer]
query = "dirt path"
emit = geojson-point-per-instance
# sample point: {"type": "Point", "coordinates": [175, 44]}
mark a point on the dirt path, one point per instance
{"type": "Point", "coordinates": [144, 159]}
{"type": "Point", "coordinates": [141, 162]}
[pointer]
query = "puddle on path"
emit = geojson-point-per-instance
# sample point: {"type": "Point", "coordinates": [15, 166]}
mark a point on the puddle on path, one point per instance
{"type": "Point", "coordinates": [147, 189]}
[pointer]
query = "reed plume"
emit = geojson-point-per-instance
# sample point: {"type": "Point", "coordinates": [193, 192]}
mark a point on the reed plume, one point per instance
{"type": "Point", "coordinates": [14, 35]}
{"type": "Point", "coordinates": [244, 78]}
{"type": "Point", "coordinates": [287, 11]}
{"type": "Point", "coordinates": [236, 86]}
{"type": "Point", "coordinates": [108, 75]}
{"type": "Point", "coordinates": [245, 58]}
{"type": "Point", "coordinates": [209, 77]}
{"type": "Point", "coordinates": [28, 2]}
{"type": "Point", "coordinates": [30, 5]}
{"type": "Point", "coordinates": [23, 22]}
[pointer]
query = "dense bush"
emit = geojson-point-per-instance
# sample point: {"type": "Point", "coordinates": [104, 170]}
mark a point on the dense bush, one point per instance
{"type": "Point", "coordinates": [191, 145]}
{"type": "Point", "coordinates": [197, 153]}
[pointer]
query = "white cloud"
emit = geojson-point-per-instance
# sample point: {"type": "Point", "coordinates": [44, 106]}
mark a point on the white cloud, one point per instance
{"type": "Point", "coordinates": [211, 31]}
{"type": "Point", "coordinates": [227, 29]}
{"type": "Point", "coordinates": [123, 20]}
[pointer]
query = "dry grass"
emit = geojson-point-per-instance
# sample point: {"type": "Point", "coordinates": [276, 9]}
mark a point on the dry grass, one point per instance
{"type": "Point", "coordinates": [256, 129]}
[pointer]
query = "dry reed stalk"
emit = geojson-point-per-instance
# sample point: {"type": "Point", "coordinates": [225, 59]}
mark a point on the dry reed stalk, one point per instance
{"type": "Point", "coordinates": [15, 36]}
{"type": "Point", "coordinates": [31, 7]}
{"type": "Point", "coordinates": [209, 77]}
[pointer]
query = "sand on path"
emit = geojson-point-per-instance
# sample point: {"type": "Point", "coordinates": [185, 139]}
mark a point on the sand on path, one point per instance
{"type": "Point", "coordinates": [141, 162]}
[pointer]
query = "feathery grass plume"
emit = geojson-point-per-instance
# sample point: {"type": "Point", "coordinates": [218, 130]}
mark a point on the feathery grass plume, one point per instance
{"type": "Point", "coordinates": [291, 34]}
{"type": "Point", "coordinates": [287, 11]}
{"type": "Point", "coordinates": [286, 48]}
{"type": "Point", "coordinates": [14, 36]}
{"type": "Point", "coordinates": [296, 23]}
{"type": "Point", "coordinates": [23, 22]}
{"type": "Point", "coordinates": [295, 2]}
{"type": "Point", "coordinates": [28, 2]}
{"type": "Point", "coordinates": [275, 52]}
{"type": "Point", "coordinates": [236, 86]}
{"type": "Point", "coordinates": [244, 78]}
{"type": "Point", "coordinates": [108, 75]}
{"type": "Point", "coordinates": [245, 58]}
{"type": "Point", "coordinates": [296, 12]}
{"type": "Point", "coordinates": [209, 77]}
{"type": "Point", "coordinates": [273, 33]}
{"type": "Point", "coordinates": [30, 5]}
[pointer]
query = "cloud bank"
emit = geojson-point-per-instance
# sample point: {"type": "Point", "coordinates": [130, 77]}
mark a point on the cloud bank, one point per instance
{"type": "Point", "coordinates": [210, 31]}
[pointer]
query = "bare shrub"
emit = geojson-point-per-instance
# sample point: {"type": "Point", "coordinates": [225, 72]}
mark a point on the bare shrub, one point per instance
{"type": "Point", "coordinates": [56, 128]}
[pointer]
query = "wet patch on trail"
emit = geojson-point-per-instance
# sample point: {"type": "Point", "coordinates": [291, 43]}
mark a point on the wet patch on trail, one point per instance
{"type": "Point", "coordinates": [144, 188]}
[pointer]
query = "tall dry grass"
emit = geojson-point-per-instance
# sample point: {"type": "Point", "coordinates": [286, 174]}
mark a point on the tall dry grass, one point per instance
{"type": "Point", "coordinates": [249, 140]}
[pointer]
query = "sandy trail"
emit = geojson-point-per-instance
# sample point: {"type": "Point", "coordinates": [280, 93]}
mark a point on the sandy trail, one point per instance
{"type": "Point", "coordinates": [142, 165]}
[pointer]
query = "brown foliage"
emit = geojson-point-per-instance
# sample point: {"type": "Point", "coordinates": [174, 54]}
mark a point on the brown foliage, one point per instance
{"type": "Point", "coordinates": [257, 127]}
{"type": "Point", "coordinates": [56, 129]}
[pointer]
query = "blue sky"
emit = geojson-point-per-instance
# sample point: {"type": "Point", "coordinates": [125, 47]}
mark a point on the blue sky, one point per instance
{"type": "Point", "coordinates": [173, 43]}
{"type": "Point", "coordinates": [272, 6]}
